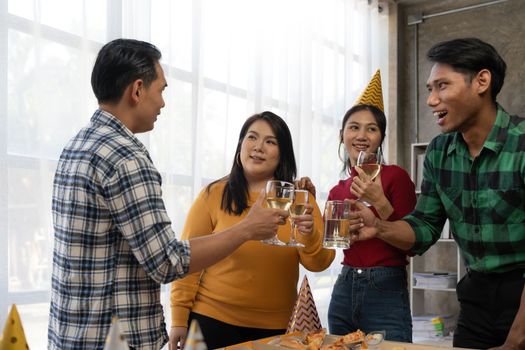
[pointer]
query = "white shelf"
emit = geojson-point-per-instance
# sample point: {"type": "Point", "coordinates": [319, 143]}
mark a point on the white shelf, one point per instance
{"type": "Point", "coordinates": [441, 256]}
{"type": "Point", "coordinates": [445, 342]}
{"type": "Point", "coordinates": [434, 288]}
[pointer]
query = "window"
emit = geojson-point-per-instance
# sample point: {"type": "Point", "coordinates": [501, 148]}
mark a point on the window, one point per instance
{"type": "Point", "coordinates": [224, 60]}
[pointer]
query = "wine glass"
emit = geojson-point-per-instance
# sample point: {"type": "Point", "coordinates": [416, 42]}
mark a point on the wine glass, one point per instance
{"type": "Point", "coordinates": [297, 208]}
{"type": "Point", "coordinates": [279, 195]}
{"type": "Point", "coordinates": [370, 163]}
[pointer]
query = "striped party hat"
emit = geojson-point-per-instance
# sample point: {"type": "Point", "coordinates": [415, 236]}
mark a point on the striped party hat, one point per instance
{"type": "Point", "coordinates": [373, 94]}
{"type": "Point", "coordinates": [304, 315]}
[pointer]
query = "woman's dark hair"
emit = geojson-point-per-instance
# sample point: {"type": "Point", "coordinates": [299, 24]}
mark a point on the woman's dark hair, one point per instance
{"type": "Point", "coordinates": [380, 118]}
{"type": "Point", "coordinates": [119, 63]}
{"type": "Point", "coordinates": [469, 56]}
{"type": "Point", "coordinates": [235, 194]}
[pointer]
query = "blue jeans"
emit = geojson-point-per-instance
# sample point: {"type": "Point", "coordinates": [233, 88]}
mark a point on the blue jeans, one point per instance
{"type": "Point", "coordinates": [371, 299]}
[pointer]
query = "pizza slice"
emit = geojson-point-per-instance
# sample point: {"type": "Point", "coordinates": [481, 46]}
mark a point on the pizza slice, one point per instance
{"type": "Point", "coordinates": [353, 337]}
{"type": "Point", "coordinates": [315, 339]}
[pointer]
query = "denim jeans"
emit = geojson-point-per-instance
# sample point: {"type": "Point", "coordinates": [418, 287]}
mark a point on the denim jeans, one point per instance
{"type": "Point", "coordinates": [371, 299]}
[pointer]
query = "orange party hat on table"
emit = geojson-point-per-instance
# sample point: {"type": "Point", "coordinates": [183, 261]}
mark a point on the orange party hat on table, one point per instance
{"type": "Point", "coordinates": [13, 336]}
{"type": "Point", "coordinates": [304, 314]}
{"type": "Point", "coordinates": [373, 94]}
{"type": "Point", "coordinates": [116, 339]}
{"type": "Point", "coordinates": [195, 340]}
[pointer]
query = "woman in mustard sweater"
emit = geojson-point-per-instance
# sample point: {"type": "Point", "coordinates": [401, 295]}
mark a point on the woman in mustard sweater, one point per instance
{"type": "Point", "coordinates": [250, 294]}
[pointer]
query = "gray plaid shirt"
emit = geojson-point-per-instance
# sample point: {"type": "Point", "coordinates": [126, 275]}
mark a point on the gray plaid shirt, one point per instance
{"type": "Point", "coordinates": [114, 244]}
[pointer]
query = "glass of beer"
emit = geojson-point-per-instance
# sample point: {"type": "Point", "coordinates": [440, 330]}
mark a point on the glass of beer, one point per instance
{"type": "Point", "coordinates": [336, 225]}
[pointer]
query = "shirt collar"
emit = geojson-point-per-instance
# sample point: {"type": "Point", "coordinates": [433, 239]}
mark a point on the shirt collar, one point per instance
{"type": "Point", "coordinates": [495, 138]}
{"type": "Point", "coordinates": [104, 118]}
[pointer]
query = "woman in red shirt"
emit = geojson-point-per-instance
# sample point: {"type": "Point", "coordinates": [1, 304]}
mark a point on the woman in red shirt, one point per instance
{"type": "Point", "coordinates": [371, 291]}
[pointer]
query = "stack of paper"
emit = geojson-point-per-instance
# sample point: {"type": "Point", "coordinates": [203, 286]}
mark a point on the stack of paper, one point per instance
{"type": "Point", "coordinates": [435, 279]}
{"type": "Point", "coordinates": [432, 326]}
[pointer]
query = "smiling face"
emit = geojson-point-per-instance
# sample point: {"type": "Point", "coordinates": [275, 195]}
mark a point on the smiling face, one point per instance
{"type": "Point", "coordinates": [454, 98]}
{"type": "Point", "coordinates": [260, 154]}
{"type": "Point", "coordinates": [361, 132]}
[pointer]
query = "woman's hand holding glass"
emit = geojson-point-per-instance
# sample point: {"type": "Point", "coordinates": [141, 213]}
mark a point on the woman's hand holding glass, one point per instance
{"type": "Point", "coordinates": [368, 167]}
{"type": "Point", "coordinates": [299, 215]}
{"type": "Point", "coordinates": [305, 183]}
{"type": "Point", "coordinates": [365, 189]}
{"type": "Point", "coordinates": [279, 195]}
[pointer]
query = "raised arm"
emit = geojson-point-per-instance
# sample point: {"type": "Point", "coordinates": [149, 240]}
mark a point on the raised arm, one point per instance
{"type": "Point", "coordinates": [260, 223]}
{"type": "Point", "coordinates": [134, 197]}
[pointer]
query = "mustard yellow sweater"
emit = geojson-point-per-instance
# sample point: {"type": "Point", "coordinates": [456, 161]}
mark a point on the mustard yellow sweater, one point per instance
{"type": "Point", "coordinates": [256, 286]}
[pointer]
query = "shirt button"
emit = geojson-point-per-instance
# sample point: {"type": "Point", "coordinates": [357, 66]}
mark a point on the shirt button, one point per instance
{"type": "Point", "coordinates": [359, 271]}
{"type": "Point", "coordinates": [476, 230]}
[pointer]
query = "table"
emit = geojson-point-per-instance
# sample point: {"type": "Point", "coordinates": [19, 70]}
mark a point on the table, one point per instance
{"type": "Point", "coordinates": [386, 345]}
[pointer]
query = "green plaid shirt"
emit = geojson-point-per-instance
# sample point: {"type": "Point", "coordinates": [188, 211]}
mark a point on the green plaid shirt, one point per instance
{"type": "Point", "coordinates": [483, 197]}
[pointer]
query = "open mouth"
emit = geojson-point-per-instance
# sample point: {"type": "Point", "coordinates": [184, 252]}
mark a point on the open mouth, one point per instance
{"type": "Point", "coordinates": [440, 116]}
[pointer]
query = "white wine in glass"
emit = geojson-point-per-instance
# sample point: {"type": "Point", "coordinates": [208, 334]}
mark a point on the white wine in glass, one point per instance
{"type": "Point", "coordinates": [297, 208]}
{"type": "Point", "coordinates": [279, 195]}
{"type": "Point", "coordinates": [279, 203]}
{"type": "Point", "coordinates": [370, 163]}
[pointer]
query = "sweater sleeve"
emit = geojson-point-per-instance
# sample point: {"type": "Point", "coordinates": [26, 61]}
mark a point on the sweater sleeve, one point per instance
{"type": "Point", "coordinates": [313, 256]}
{"type": "Point", "coordinates": [183, 292]}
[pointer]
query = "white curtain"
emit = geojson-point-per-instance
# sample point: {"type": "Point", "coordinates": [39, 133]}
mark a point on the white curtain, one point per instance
{"type": "Point", "coordinates": [306, 60]}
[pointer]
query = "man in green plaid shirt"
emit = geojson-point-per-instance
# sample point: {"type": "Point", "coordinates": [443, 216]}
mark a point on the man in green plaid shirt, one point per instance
{"type": "Point", "coordinates": [474, 176]}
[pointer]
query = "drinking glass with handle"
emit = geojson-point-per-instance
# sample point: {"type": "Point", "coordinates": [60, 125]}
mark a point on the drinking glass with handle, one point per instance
{"type": "Point", "coordinates": [337, 224]}
{"type": "Point", "coordinates": [279, 195]}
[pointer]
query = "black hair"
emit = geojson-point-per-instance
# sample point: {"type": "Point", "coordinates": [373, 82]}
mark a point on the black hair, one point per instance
{"type": "Point", "coordinates": [469, 56]}
{"type": "Point", "coordinates": [119, 63]}
{"type": "Point", "coordinates": [379, 116]}
{"type": "Point", "coordinates": [235, 194]}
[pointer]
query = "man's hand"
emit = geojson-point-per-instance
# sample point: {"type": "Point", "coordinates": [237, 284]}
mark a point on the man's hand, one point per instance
{"type": "Point", "coordinates": [305, 183]}
{"type": "Point", "coordinates": [362, 222]}
{"type": "Point", "coordinates": [177, 336]}
{"type": "Point", "coordinates": [262, 223]}
{"type": "Point", "coordinates": [516, 337]}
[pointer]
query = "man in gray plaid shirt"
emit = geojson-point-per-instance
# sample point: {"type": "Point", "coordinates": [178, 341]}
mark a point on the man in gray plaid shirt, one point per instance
{"type": "Point", "coordinates": [114, 244]}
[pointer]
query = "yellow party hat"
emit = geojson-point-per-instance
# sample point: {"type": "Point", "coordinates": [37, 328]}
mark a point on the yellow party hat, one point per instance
{"type": "Point", "coordinates": [195, 340]}
{"type": "Point", "coordinates": [304, 315]}
{"type": "Point", "coordinates": [13, 336]}
{"type": "Point", "coordinates": [373, 94]}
